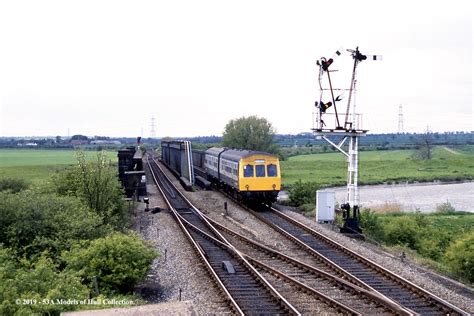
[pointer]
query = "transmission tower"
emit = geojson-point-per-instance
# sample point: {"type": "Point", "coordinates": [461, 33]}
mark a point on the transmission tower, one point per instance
{"type": "Point", "coordinates": [400, 119]}
{"type": "Point", "coordinates": [152, 128]}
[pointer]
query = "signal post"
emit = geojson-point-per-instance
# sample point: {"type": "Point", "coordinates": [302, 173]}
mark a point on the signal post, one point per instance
{"type": "Point", "coordinates": [337, 128]}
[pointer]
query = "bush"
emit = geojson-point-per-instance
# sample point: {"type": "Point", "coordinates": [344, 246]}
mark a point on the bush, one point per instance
{"type": "Point", "coordinates": [13, 185]}
{"type": "Point", "coordinates": [371, 225]}
{"type": "Point", "coordinates": [430, 248]}
{"type": "Point", "coordinates": [308, 209]}
{"type": "Point", "coordinates": [39, 280]}
{"type": "Point", "coordinates": [8, 291]}
{"type": "Point", "coordinates": [459, 257]}
{"type": "Point", "coordinates": [303, 193]}
{"type": "Point", "coordinates": [118, 261]}
{"type": "Point", "coordinates": [96, 183]}
{"type": "Point", "coordinates": [402, 231]}
{"type": "Point", "coordinates": [31, 222]}
{"type": "Point", "coordinates": [66, 183]}
{"type": "Point", "coordinates": [445, 207]}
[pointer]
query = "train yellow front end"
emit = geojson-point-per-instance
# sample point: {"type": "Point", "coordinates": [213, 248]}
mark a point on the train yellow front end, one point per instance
{"type": "Point", "coordinates": [259, 173]}
{"type": "Point", "coordinates": [251, 175]}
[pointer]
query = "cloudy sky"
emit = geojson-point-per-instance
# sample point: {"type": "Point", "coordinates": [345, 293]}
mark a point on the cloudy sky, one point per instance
{"type": "Point", "coordinates": [106, 67]}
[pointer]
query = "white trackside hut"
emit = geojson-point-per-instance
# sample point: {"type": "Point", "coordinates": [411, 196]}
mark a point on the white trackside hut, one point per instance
{"type": "Point", "coordinates": [325, 202]}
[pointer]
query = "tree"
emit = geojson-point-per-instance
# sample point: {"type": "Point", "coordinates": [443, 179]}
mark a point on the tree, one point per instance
{"type": "Point", "coordinates": [97, 183]}
{"type": "Point", "coordinates": [251, 132]}
{"type": "Point", "coordinates": [79, 137]}
{"type": "Point", "coordinates": [425, 145]}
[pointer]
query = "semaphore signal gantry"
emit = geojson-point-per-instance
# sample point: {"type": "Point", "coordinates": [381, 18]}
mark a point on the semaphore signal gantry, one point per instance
{"type": "Point", "coordinates": [338, 127]}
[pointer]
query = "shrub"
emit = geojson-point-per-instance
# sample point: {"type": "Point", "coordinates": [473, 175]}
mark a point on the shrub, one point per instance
{"type": "Point", "coordinates": [303, 192]}
{"type": "Point", "coordinates": [402, 231]}
{"type": "Point", "coordinates": [445, 207]}
{"type": "Point", "coordinates": [8, 291]}
{"type": "Point", "coordinates": [371, 225]}
{"type": "Point", "coordinates": [96, 183]}
{"type": "Point", "coordinates": [118, 261]}
{"type": "Point", "coordinates": [39, 280]}
{"type": "Point", "coordinates": [308, 209]}
{"type": "Point", "coordinates": [66, 183]}
{"type": "Point", "coordinates": [31, 222]}
{"type": "Point", "coordinates": [459, 257]}
{"type": "Point", "coordinates": [430, 248]}
{"type": "Point", "coordinates": [13, 185]}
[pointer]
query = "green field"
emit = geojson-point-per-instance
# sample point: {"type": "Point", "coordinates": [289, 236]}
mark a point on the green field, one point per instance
{"type": "Point", "coordinates": [325, 169]}
{"type": "Point", "coordinates": [37, 165]}
{"type": "Point", "coordinates": [381, 166]}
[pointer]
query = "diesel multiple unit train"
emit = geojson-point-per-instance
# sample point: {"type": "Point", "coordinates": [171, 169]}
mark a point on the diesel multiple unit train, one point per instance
{"type": "Point", "coordinates": [252, 176]}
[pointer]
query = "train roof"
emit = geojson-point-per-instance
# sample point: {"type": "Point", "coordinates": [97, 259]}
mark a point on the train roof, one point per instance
{"type": "Point", "coordinates": [214, 151]}
{"type": "Point", "coordinates": [235, 154]}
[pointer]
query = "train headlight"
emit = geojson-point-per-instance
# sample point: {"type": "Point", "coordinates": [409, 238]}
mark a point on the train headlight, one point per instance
{"type": "Point", "coordinates": [247, 187]}
{"type": "Point", "coordinates": [274, 186]}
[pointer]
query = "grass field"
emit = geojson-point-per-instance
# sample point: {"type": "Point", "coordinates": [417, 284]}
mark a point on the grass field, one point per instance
{"type": "Point", "coordinates": [38, 165]}
{"type": "Point", "coordinates": [381, 166]}
{"type": "Point", "coordinates": [325, 169]}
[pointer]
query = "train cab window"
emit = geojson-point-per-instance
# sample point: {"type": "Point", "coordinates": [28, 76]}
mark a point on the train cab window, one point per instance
{"type": "Point", "coordinates": [271, 170]}
{"type": "Point", "coordinates": [248, 171]}
{"type": "Point", "coordinates": [260, 170]}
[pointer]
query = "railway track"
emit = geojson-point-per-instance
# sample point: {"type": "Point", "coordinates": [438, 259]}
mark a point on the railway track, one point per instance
{"type": "Point", "coordinates": [339, 294]}
{"type": "Point", "coordinates": [371, 290]}
{"type": "Point", "coordinates": [246, 291]}
{"type": "Point", "coordinates": [357, 269]}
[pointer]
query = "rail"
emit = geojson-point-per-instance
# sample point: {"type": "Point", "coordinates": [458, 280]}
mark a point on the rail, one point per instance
{"type": "Point", "coordinates": [207, 252]}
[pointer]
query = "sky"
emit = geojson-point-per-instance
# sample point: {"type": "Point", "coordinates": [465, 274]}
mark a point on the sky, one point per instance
{"type": "Point", "coordinates": [106, 67]}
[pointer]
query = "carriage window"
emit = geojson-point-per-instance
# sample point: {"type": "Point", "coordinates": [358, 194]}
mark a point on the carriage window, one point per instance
{"type": "Point", "coordinates": [248, 171]}
{"type": "Point", "coordinates": [260, 170]}
{"type": "Point", "coordinates": [272, 170]}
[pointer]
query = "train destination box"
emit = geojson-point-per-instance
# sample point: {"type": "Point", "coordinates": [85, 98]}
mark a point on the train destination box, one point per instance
{"type": "Point", "coordinates": [325, 206]}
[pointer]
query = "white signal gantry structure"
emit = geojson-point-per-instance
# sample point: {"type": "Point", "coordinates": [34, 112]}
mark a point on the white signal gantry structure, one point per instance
{"type": "Point", "coordinates": [351, 129]}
